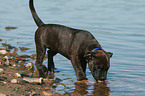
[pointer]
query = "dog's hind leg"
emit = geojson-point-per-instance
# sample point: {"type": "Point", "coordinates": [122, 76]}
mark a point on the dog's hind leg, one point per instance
{"type": "Point", "coordinates": [51, 66]}
{"type": "Point", "coordinates": [40, 50]}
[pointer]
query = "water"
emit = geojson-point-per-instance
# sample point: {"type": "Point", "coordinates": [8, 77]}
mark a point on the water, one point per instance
{"type": "Point", "coordinates": [119, 26]}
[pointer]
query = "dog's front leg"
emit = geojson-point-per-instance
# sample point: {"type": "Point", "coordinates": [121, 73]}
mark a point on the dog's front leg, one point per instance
{"type": "Point", "coordinates": [78, 69]}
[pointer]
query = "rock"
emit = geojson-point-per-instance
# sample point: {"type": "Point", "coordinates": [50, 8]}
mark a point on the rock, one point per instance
{"type": "Point", "coordinates": [24, 48]}
{"type": "Point", "coordinates": [3, 52]}
{"type": "Point", "coordinates": [29, 65]}
{"type": "Point", "coordinates": [7, 61]}
{"type": "Point", "coordinates": [6, 57]}
{"type": "Point", "coordinates": [9, 28]}
{"type": "Point", "coordinates": [51, 94]}
{"type": "Point", "coordinates": [15, 49]}
{"type": "Point", "coordinates": [26, 69]}
{"type": "Point", "coordinates": [4, 83]}
{"type": "Point", "coordinates": [14, 54]}
{"type": "Point", "coordinates": [48, 81]}
{"type": "Point", "coordinates": [13, 62]}
{"type": "Point", "coordinates": [24, 74]}
{"type": "Point", "coordinates": [21, 63]}
{"type": "Point", "coordinates": [1, 94]}
{"type": "Point", "coordinates": [1, 70]}
{"type": "Point", "coordinates": [33, 56]}
{"type": "Point", "coordinates": [18, 75]}
{"type": "Point", "coordinates": [14, 81]}
{"type": "Point", "coordinates": [7, 46]}
{"type": "Point", "coordinates": [25, 56]}
{"type": "Point", "coordinates": [33, 80]}
{"type": "Point", "coordinates": [47, 94]}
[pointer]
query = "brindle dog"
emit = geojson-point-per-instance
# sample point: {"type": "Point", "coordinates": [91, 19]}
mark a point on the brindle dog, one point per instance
{"type": "Point", "coordinates": [79, 46]}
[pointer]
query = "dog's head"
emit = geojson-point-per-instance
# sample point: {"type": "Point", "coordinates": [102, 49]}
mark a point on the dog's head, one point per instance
{"type": "Point", "coordinates": [99, 63]}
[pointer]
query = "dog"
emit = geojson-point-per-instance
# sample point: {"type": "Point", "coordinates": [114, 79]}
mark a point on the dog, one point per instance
{"type": "Point", "coordinates": [79, 46]}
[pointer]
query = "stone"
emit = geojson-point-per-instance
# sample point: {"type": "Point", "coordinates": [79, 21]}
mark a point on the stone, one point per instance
{"type": "Point", "coordinates": [14, 81]}
{"type": "Point", "coordinates": [1, 70]}
{"type": "Point", "coordinates": [3, 52]}
{"type": "Point", "coordinates": [18, 75]}
{"type": "Point", "coordinates": [33, 80]}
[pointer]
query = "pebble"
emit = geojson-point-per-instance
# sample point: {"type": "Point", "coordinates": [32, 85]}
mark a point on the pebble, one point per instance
{"type": "Point", "coordinates": [10, 27]}
{"type": "Point", "coordinates": [6, 57]}
{"type": "Point", "coordinates": [7, 61]}
{"type": "Point", "coordinates": [53, 94]}
{"type": "Point", "coordinates": [15, 49]}
{"type": "Point", "coordinates": [18, 75]}
{"type": "Point", "coordinates": [13, 62]}
{"type": "Point", "coordinates": [25, 56]}
{"type": "Point", "coordinates": [1, 70]}
{"type": "Point", "coordinates": [24, 48]}
{"type": "Point", "coordinates": [4, 83]}
{"type": "Point", "coordinates": [29, 65]}
{"type": "Point", "coordinates": [33, 80]}
{"type": "Point", "coordinates": [1, 94]}
{"type": "Point", "coordinates": [47, 94]}
{"type": "Point", "coordinates": [3, 52]}
{"type": "Point", "coordinates": [14, 81]}
{"type": "Point", "coordinates": [33, 56]}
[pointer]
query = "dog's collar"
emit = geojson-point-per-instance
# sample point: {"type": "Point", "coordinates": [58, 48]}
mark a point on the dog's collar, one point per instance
{"type": "Point", "coordinates": [96, 49]}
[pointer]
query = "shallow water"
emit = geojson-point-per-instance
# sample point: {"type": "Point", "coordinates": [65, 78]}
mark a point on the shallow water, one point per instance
{"type": "Point", "coordinates": [118, 25]}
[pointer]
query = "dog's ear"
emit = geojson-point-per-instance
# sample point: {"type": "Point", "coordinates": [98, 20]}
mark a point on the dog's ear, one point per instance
{"type": "Point", "coordinates": [89, 56]}
{"type": "Point", "coordinates": [110, 54]}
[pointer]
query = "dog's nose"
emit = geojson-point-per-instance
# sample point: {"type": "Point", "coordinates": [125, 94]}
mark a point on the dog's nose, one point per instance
{"type": "Point", "coordinates": [101, 80]}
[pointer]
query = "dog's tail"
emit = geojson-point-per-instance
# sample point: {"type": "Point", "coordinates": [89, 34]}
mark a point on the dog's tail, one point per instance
{"type": "Point", "coordinates": [34, 14]}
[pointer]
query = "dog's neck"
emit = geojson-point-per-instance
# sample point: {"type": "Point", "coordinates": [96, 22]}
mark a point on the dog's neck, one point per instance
{"type": "Point", "coordinates": [92, 47]}
{"type": "Point", "coordinates": [95, 49]}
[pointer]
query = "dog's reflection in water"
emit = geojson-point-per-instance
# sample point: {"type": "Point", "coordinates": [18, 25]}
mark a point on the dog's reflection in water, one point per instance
{"type": "Point", "coordinates": [98, 89]}
{"type": "Point", "coordinates": [83, 88]}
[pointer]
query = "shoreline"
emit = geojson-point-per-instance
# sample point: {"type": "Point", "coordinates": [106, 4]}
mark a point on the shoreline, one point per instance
{"type": "Point", "coordinates": [14, 69]}
{"type": "Point", "coordinates": [19, 77]}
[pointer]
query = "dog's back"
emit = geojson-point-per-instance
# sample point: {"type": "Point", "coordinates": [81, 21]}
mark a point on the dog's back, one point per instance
{"type": "Point", "coordinates": [61, 38]}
